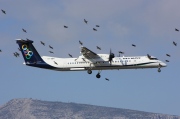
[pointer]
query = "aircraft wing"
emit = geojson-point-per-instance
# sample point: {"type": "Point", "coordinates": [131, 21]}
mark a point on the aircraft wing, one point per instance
{"type": "Point", "coordinates": [88, 53]}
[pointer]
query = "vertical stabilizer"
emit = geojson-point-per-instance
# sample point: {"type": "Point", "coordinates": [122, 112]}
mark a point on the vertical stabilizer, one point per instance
{"type": "Point", "coordinates": [29, 53]}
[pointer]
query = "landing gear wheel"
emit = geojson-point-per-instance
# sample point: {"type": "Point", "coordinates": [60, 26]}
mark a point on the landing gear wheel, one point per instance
{"type": "Point", "coordinates": [98, 75]}
{"type": "Point", "coordinates": [159, 70]}
{"type": "Point", "coordinates": [89, 71]}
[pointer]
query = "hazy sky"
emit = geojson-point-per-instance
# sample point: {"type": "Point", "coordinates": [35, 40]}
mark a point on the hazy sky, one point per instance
{"type": "Point", "coordinates": [149, 24]}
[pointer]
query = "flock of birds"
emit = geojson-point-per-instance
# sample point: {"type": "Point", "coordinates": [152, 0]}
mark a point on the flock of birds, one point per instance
{"type": "Point", "coordinates": [16, 54]}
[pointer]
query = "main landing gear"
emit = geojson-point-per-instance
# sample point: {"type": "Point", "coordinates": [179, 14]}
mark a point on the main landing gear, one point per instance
{"type": "Point", "coordinates": [89, 71]}
{"type": "Point", "coordinates": [98, 75]}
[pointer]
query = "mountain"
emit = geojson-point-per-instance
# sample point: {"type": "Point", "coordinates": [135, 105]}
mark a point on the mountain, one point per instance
{"type": "Point", "coordinates": [37, 109]}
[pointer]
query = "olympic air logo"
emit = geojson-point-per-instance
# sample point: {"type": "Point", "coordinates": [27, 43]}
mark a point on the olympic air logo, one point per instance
{"type": "Point", "coordinates": [27, 52]}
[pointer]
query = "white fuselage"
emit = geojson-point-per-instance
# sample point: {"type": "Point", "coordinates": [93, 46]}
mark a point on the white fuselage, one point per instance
{"type": "Point", "coordinates": [101, 63]}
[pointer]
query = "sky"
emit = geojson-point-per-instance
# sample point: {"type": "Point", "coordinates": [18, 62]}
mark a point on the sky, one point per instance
{"type": "Point", "coordinates": [150, 24]}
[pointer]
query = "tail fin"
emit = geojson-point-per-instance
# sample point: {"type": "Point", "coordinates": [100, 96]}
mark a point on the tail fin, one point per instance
{"type": "Point", "coordinates": [30, 54]}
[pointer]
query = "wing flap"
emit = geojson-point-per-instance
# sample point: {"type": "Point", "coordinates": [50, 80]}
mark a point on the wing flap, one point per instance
{"type": "Point", "coordinates": [88, 53]}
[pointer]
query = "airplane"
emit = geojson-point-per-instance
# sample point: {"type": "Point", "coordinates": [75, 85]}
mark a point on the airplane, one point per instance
{"type": "Point", "coordinates": [87, 61]}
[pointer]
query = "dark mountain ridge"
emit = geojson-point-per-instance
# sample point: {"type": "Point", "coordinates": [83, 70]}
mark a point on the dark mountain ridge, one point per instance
{"type": "Point", "coordinates": [37, 109]}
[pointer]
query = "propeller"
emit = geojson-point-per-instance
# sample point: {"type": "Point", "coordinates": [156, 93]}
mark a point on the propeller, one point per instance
{"type": "Point", "coordinates": [111, 56]}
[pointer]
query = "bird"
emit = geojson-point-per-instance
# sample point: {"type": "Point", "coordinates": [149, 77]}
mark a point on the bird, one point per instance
{"type": "Point", "coordinates": [98, 48]}
{"type": "Point", "coordinates": [42, 43]}
{"type": "Point", "coordinates": [3, 11]}
{"type": "Point", "coordinates": [50, 47]}
{"type": "Point", "coordinates": [65, 26]}
{"type": "Point", "coordinates": [107, 79]}
{"type": "Point", "coordinates": [83, 59]}
{"type": "Point", "coordinates": [168, 55]}
{"type": "Point", "coordinates": [85, 21]}
{"type": "Point", "coordinates": [80, 42]}
{"type": "Point", "coordinates": [149, 56]}
{"type": "Point", "coordinates": [27, 39]}
{"type": "Point", "coordinates": [94, 29]}
{"type": "Point", "coordinates": [55, 63]}
{"type": "Point", "coordinates": [0, 50]}
{"type": "Point", "coordinates": [51, 52]}
{"type": "Point", "coordinates": [24, 30]}
{"type": "Point", "coordinates": [167, 60]}
{"type": "Point", "coordinates": [121, 52]}
{"type": "Point", "coordinates": [97, 26]}
{"type": "Point", "coordinates": [70, 55]}
{"type": "Point", "coordinates": [175, 43]}
{"type": "Point", "coordinates": [16, 54]}
{"type": "Point", "coordinates": [176, 29]}
{"type": "Point", "coordinates": [133, 45]}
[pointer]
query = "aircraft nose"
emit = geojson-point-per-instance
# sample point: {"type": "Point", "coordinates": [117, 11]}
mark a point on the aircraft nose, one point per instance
{"type": "Point", "coordinates": [163, 64]}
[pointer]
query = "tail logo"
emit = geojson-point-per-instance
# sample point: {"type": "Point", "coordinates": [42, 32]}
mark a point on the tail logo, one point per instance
{"type": "Point", "coordinates": [27, 52]}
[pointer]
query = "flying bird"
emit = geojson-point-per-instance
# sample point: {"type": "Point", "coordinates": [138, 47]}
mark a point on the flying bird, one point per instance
{"type": "Point", "coordinates": [98, 48]}
{"type": "Point", "coordinates": [167, 60]}
{"type": "Point", "coordinates": [83, 59]}
{"type": "Point", "coordinates": [0, 50]}
{"type": "Point", "coordinates": [50, 47]}
{"type": "Point", "coordinates": [42, 43]}
{"type": "Point", "coordinates": [65, 26]}
{"type": "Point", "coordinates": [27, 39]}
{"type": "Point", "coordinates": [51, 52]}
{"type": "Point", "coordinates": [3, 11]}
{"type": "Point", "coordinates": [94, 29]}
{"type": "Point", "coordinates": [175, 43]}
{"type": "Point", "coordinates": [85, 21]}
{"type": "Point", "coordinates": [16, 54]}
{"type": "Point", "coordinates": [176, 29]}
{"type": "Point", "coordinates": [70, 55]}
{"type": "Point", "coordinates": [133, 45]}
{"type": "Point", "coordinates": [121, 52]}
{"type": "Point", "coordinates": [168, 55]}
{"type": "Point", "coordinates": [24, 30]}
{"type": "Point", "coordinates": [80, 42]}
{"type": "Point", "coordinates": [106, 79]}
{"type": "Point", "coordinates": [97, 26]}
{"type": "Point", "coordinates": [149, 56]}
{"type": "Point", "coordinates": [55, 63]}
